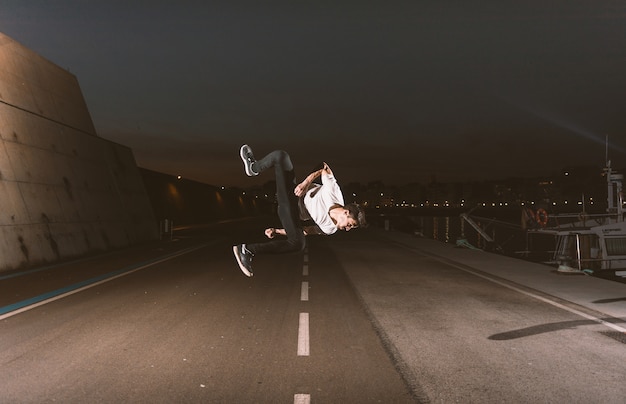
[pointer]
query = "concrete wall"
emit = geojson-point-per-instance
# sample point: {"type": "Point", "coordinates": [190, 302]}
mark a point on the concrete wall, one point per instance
{"type": "Point", "coordinates": [186, 202]}
{"type": "Point", "coordinates": [64, 191]}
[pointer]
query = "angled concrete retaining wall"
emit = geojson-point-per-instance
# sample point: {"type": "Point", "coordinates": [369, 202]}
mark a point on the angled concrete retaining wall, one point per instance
{"type": "Point", "coordinates": [187, 202]}
{"type": "Point", "coordinates": [64, 191]}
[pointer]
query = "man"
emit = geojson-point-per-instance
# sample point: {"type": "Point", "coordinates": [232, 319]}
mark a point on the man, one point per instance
{"type": "Point", "coordinates": [322, 205]}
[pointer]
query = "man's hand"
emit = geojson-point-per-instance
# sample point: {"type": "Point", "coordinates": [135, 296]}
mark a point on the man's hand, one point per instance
{"type": "Point", "coordinates": [272, 232]}
{"type": "Point", "coordinates": [301, 188]}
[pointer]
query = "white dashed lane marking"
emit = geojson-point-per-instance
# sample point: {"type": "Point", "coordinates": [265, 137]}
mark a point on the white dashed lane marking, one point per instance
{"type": "Point", "coordinates": [303, 335]}
{"type": "Point", "coordinates": [304, 293]}
{"type": "Point", "coordinates": [303, 328]}
{"type": "Point", "coordinates": [301, 399]}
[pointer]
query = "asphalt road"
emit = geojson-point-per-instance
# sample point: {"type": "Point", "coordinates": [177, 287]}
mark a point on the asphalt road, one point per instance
{"type": "Point", "coordinates": [362, 317]}
{"type": "Point", "coordinates": [192, 328]}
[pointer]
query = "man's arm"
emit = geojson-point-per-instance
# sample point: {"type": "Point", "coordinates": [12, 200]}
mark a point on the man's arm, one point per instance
{"type": "Point", "coordinates": [304, 185]}
{"type": "Point", "coordinates": [312, 230]}
{"type": "Point", "coordinates": [307, 230]}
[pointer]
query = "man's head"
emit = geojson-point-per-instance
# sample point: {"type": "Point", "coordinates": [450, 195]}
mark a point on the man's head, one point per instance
{"type": "Point", "coordinates": [352, 217]}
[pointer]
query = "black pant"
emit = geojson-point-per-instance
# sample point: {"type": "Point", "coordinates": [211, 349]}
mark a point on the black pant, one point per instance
{"type": "Point", "coordinates": [288, 212]}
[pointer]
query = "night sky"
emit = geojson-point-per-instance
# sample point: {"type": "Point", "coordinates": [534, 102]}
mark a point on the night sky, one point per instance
{"type": "Point", "coordinates": [393, 91]}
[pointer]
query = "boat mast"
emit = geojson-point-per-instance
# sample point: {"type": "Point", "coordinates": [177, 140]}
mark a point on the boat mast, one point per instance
{"type": "Point", "coordinates": [615, 193]}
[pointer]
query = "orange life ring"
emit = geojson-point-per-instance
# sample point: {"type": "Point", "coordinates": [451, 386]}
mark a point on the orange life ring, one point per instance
{"type": "Point", "coordinates": [542, 217]}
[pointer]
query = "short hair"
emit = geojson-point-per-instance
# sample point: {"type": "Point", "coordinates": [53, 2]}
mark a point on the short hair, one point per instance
{"type": "Point", "coordinates": [357, 213]}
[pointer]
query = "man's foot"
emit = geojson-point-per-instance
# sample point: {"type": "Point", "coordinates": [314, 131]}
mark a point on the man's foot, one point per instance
{"type": "Point", "coordinates": [248, 159]}
{"type": "Point", "coordinates": [244, 259]}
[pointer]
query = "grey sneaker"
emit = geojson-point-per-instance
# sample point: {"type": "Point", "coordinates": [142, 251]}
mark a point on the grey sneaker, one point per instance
{"type": "Point", "coordinates": [244, 259]}
{"type": "Point", "coordinates": [248, 159]}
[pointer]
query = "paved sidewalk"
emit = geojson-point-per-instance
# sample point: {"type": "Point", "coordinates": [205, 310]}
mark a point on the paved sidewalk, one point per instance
{"type": "Point", "coordinates": [525, 334]}
{"type": "Point", "coordinates": [601, 295]}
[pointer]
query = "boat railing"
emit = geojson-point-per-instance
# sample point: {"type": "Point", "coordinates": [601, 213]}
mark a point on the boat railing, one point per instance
{"type": "Point", "coordinates": [582, 218]}
{"type": "Point", "coordinates": [589, 264]}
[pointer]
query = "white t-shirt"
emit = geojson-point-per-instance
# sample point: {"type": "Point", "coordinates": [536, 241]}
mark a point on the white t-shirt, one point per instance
{"type": "Point", "coordinates": [320, 198]}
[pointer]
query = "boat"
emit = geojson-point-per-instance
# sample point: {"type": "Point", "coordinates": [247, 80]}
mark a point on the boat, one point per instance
{"type": "Point", "coordinates": [592, 244]}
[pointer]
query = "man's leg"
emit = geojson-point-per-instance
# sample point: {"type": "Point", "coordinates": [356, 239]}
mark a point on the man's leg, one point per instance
{"type": "Point", "coordinates": [287, 211]}
{"type": "Point", "coordinates": [287, 205]}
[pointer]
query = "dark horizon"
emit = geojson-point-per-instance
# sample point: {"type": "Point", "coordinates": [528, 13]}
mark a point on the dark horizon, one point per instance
{"type": "Point", "coordinates": [404, 91]}
{"type": "Point", "coordinates": [264, 180]}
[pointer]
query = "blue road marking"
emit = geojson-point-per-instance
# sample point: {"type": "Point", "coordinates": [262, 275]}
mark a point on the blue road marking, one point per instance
{"type": "Point", "coordinates": [41, 269]}
{"type": "Point", "coordinates": [58, 292]}
{"type": "Point", "coordinates": [54, 293]}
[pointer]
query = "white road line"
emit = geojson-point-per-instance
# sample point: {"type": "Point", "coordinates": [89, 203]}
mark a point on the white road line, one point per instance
{"type": "Point", "coordinates": [540, 298]}
{"type": "Point", "coordinates": [91, 285]}
{"type": "Point", "coordinates": [303, 335]}
{"type": "Point", "coordinates": [302, 399]}
{"type": "Point", "coordinates": [303, 328]}
{"type": "Point", "coordinates": [304, 292]}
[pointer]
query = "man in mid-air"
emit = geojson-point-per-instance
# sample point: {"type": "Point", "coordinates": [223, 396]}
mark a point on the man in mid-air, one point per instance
{"type": "Point", "coordinates": [321, 205]}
